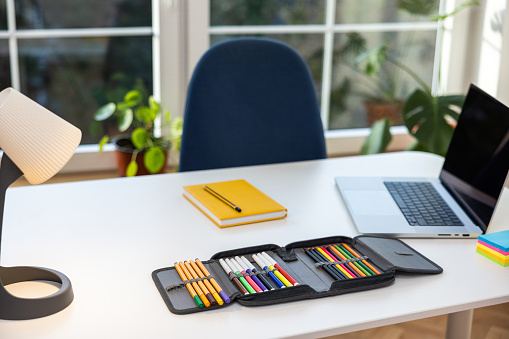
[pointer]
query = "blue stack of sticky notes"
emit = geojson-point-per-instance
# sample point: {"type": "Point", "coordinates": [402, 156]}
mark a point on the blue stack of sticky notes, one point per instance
{"type": "Point", "coordinates": [495, 246]}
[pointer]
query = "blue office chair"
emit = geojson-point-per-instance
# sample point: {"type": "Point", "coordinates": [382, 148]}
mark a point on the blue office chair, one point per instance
{"type": "Point", "coordinates": [250, 101]}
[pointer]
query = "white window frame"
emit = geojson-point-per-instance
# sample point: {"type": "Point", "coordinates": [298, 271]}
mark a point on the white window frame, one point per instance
{"type": "Point", "coordinates": [181, 35]}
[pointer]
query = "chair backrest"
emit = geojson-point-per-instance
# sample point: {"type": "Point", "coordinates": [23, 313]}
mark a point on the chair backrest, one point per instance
{"type": "Point", "coordinates": [250, 101]}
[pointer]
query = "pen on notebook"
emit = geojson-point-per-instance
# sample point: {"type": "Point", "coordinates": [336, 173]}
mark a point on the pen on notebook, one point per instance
{"type": "Point", "coordinates": [223, 199]}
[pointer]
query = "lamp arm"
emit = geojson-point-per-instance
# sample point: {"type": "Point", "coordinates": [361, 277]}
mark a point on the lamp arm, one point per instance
{"type": "Point", "coordinates": [9, 173]}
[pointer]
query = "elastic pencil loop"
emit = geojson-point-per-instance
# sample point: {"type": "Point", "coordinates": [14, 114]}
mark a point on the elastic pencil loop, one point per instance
{"type": "Point", "coordinates": [174, 287]}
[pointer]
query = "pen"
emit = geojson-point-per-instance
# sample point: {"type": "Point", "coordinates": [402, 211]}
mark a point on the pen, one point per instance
{"type": "Point", "coordinates": [204, 288]}
{"type": "Point", "coordinates": [213, 281]}
{"type": "Point", "coordinates": [206, 282]}
{"type": "Point", "coordinates": [241, 278]}
{"type": "Point", "coordinates": [259, 276]}
{"type": "Point", "coordinates": [263, 266]}
{"type": "Point", "coordinates": [189, 287]}
{"type": "Point", "coordinates": [233, 277]}
{"type": "Point", "coordinates": [246, 268]}
{"type": "Point", "coordinates": [220, 197]}
{"type": "Point", "coordinates": [202, 296]}
{"type": "Point", "coordinates": [283, 272]}
{"type": "Point", "coordinates": [274, 270]}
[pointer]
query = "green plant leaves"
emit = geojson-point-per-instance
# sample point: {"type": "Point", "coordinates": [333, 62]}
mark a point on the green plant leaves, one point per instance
{"type": "Point", "coordinates": [140, 138]}
{"type": "Point", "coordinates": [428, 119]}
{"type": "Point", "coordinates": [132, 169]}
{"type": "Point", "coordinates": [378, 139]}
{"type": "Point", "coordinates": [154, 159]}
{"type": "Point", "coordinates": [146, 115]}
{"type": "Point", "coordinates": [105, 112]}
{"type": "Point", "coordinates": [373, 59]}
{"type": "Point", "coordinates": [103, 142]}
{"type": "Point", "coordinates": [124, 119]}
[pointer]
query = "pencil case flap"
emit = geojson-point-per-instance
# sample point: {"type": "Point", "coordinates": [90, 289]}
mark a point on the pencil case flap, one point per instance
{"type": "Point", "coordinates": [176, 296]}
{"type": "Point", "coordinates": [395, 254]}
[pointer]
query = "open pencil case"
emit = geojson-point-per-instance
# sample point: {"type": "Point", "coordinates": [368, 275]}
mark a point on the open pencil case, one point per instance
{"type": "Point", "coordinates": [320, 267]}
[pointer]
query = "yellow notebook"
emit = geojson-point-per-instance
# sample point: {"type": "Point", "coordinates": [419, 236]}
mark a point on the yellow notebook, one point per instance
{"type": "Point", "coordinates": [218, 201]}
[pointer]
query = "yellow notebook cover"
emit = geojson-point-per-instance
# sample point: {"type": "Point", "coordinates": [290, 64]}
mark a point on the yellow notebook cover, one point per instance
{"type": "Point", "coordinates": [254, 204]}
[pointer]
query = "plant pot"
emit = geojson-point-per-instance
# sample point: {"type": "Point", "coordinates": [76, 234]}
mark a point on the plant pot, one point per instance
{"type": "Point", "coordinates": [376, 111]}
{"type": "Point", "coordinates": [124, 150]}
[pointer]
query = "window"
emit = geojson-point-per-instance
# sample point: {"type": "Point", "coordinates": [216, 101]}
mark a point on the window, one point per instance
{"type": "Point", "coordinates": [72, 56]}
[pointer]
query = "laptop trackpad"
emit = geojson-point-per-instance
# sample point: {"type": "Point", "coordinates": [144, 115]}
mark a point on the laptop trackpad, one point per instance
{"type": "Point", "coordinates": [372, 203]}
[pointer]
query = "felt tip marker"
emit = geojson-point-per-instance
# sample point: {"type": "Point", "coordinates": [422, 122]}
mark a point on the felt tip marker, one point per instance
{"type": "Point", "coordinates": [233, 277]}
{"type": "Point", "coordinates": [207, 283]}
{"type": "Point", "coordinates": [204, 288]}
{"type": "Point", "coordinates": [213, 281]}
{"type": "Point", "coordinates": [264, 267]}
{"type": "Point", "coordinates": [253, 277]}
{"type": "Point", "coordinates": [196, 298]}
{"type": "Point", "coordinates": [198, 290]}
{"type": "Point", "coordinates": [262, 279]}
{"type": "Point", "coordinates": [248, 278]}
{"type": "Point", "coordinates": [275, 270]}
{"type": "Point", "coordinates": [238, 274]}
{"type": "Point", "coordinates": [283, 272]}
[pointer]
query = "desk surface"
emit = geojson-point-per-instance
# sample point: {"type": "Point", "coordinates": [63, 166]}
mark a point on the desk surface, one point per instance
{"type": "Point", "coordinates": [109, 235]}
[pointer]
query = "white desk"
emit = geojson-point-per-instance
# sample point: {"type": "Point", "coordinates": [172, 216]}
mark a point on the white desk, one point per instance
{"type": "Point", "coordinates": [109, 235]}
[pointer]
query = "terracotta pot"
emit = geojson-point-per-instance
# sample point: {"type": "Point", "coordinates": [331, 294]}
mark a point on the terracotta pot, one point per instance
{"type": "Point", "coordinates": [123, 154]}
{"type": "Point", "coordinates": [376, 111]}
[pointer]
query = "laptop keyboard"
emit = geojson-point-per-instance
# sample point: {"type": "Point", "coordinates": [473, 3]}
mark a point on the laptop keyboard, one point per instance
{"type": "Point", "coordinates": [421, 204]}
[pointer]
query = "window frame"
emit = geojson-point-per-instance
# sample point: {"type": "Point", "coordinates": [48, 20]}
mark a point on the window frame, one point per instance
{"type": "Point", "coordinates": [180, 31]}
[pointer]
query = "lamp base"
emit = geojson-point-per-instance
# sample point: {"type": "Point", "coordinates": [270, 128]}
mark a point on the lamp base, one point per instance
{"type": "Point", "coordinates": [15, 308]}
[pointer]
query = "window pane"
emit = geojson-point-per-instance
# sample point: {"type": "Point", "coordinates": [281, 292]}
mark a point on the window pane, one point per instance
{"type": "Point", "coordinates": [351, 87]}
{"type": "Point", "coordinates": [378, 11]}
{"type": "Point", "coordinates": [266, 12]}
{"type": "Point", "coordinates": [3, 15]}
{"type": "Point", "coordinates": [309, 46]}
{"type": "Point", "coordinates": [73, 77]}
{"type": "Point", "coordinates": [5, 68]}
{"type": "Point", "coordinates": [38, 14]}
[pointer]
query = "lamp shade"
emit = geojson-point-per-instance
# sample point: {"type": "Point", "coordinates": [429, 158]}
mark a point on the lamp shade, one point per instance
{"type": "Point", "coordinates": [38, 141]}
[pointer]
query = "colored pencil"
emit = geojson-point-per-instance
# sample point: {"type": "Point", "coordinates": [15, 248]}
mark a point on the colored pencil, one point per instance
{"type": "Point", "coordinates": [324, 259]}
{"type": "Point", "coordinates": [354, 264]}
{"type": "Point", "coordinates": [333, 258]}
{"type": "Point", "coordinates": [326, 267]}
{"type": "Point", "coordinates": [363, 260]}
{"type": "Point", "coordinates": [338, 266]}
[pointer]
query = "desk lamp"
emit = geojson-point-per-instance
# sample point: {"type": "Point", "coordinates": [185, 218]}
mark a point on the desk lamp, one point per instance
{"type": "Point", "coordinates": [36, 143]}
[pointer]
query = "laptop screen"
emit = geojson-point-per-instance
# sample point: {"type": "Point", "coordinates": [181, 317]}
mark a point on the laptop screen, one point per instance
{"type": "Point", "coordinates": [477, 161]}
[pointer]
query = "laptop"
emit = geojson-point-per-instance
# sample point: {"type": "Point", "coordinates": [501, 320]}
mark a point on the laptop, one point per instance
{"type": "Point", "coordinates": [460, 202]}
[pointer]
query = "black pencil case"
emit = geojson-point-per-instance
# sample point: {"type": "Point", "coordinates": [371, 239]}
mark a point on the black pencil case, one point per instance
{"type": "Point", "coordinates": [314, 277]}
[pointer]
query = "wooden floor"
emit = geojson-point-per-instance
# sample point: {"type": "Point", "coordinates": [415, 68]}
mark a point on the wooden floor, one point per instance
{"type": "Point", "coordinates": [489, 323]}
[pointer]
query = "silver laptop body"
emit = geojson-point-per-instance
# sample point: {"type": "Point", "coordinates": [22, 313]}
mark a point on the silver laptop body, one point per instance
{"type": "Point", "coordinates": [470, 182]}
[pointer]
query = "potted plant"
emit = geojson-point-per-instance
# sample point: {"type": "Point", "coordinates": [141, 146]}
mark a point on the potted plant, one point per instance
{"type": "Point", "coordinates": [430, 118]}
{"type": "Point", "coordinates": [138, 150]}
